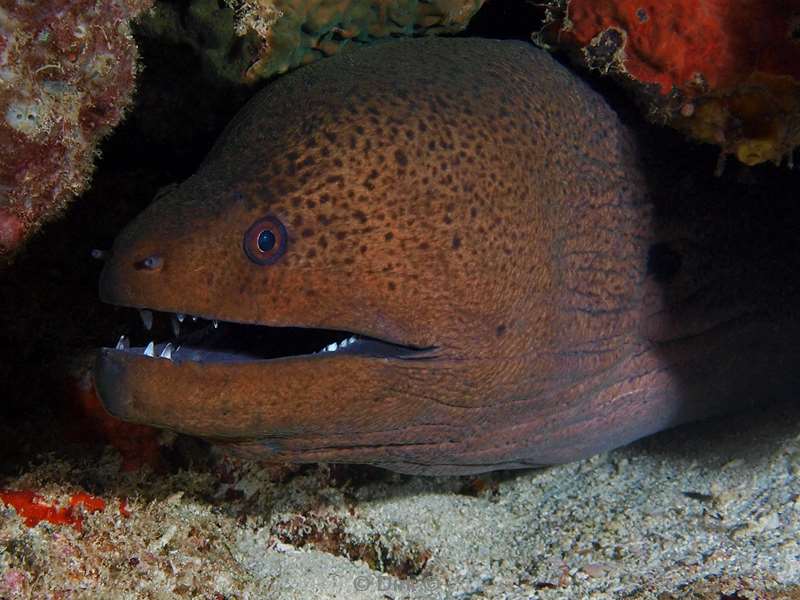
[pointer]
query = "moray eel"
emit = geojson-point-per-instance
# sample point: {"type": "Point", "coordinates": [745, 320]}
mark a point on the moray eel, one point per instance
{"type": "Point", "coordinates": [464, 228]}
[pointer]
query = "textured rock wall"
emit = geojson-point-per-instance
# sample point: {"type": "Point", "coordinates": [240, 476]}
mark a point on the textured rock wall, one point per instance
{"type": "Point", "coordinates": [67, 71]}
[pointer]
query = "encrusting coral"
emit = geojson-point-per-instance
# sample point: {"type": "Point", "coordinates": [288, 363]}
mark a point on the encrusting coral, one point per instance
{"type": "Point", "coordinates": [298, 32]}
{"type": "Point", "coordinates": [67, 71]}
{"type": "Point", "coordinates": [242, 41]}
{"type": "Point", "coordinates": [726, 73]}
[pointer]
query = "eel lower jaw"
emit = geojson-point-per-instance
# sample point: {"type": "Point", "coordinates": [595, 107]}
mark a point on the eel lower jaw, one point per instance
{"type": "Point", "coordinates": [181, 338]}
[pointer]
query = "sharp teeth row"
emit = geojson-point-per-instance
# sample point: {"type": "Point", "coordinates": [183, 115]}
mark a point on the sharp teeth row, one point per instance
{"type": "Point", "coordinates": [339, 345]}
{"type": "Point", "coordinates": [150, 350]}
{"type": "Point", "coordinates": [168, 351]}
{"type": "Point", "coordinates": [175, 321]}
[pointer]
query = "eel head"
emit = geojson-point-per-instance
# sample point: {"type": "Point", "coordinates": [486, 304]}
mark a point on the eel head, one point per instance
{"type": "Point", "coordinates": [381, 240]}
{"type": "Point", "coordinates": [307, 331]}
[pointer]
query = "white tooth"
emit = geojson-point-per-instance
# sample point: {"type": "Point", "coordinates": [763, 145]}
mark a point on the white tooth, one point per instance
{"type": "Point", "coordinates": [167, 352]}
{"type": "Point", "coordinates": [216, 324]}
{"type": "Point", "coordinates": [331, 347]}
{"type": "Point", "coordinates": [180, 317]}
{"type": "Point", "coordinates": [123, 343]}
{"type": "Point", "coordinates": [194, 318]}
{"type": "Point", "coordinates": [147, 319]}
{"type": "Point", "coordinates": [176, 326]}
{"type": "Point", "coordinates": [150, 350]}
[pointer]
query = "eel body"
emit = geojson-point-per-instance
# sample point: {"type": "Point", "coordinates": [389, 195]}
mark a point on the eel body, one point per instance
{"type": "Point", "coordinates": [469, 229]}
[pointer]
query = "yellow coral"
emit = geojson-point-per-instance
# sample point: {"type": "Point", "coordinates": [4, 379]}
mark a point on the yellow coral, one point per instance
{"type": "Point", "coordinates": [757, 122]}
{"type": "Point", "coordinates": [753, 152]}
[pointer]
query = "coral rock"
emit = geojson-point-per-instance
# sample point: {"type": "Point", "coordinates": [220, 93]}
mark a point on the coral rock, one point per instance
{"type": "Point", "coordinates": [67, 71]}
{"type": "Point", "coordinates": [726, 73]}
{"type": "Point", "coordinates": [243, 41]}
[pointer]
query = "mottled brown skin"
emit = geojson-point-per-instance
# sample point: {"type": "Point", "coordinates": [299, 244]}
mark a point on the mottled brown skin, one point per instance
{"type": "Point", "coordinates": [467, 195]}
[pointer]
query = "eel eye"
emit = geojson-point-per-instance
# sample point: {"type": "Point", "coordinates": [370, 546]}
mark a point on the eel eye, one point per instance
{"type": "Point", "coordinates": [265, 241]}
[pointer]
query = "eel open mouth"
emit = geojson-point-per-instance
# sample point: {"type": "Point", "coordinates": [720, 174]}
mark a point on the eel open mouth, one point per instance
{"type": "Point", "coordinates": [178, 337]}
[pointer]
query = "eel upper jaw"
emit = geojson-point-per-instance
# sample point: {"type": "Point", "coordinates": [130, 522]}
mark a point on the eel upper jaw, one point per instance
{"type": "Point", "coordinates": [181, 337]}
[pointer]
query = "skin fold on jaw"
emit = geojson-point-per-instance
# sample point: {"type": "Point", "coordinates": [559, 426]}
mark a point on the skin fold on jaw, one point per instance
{"type": "Point", "coordinates": [466, 210]}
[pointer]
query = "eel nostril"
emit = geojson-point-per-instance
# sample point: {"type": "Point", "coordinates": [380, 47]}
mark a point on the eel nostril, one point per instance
{"type": "Point", "coordinates": [151, 263]}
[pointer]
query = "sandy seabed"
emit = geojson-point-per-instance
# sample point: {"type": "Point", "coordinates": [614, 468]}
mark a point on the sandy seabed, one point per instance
{"type": "Point", "coordinates": [711, 510]}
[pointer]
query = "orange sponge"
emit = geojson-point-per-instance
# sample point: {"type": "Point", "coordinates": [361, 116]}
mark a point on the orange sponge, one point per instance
{"type": "Point", "coordinates": [724, 71]}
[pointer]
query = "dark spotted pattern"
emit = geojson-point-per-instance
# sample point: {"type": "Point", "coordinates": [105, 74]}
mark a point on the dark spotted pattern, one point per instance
{"type": "Point", "coordinates": [467, 196]}
{"type": "Point", "coordinates": [442, 157]}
